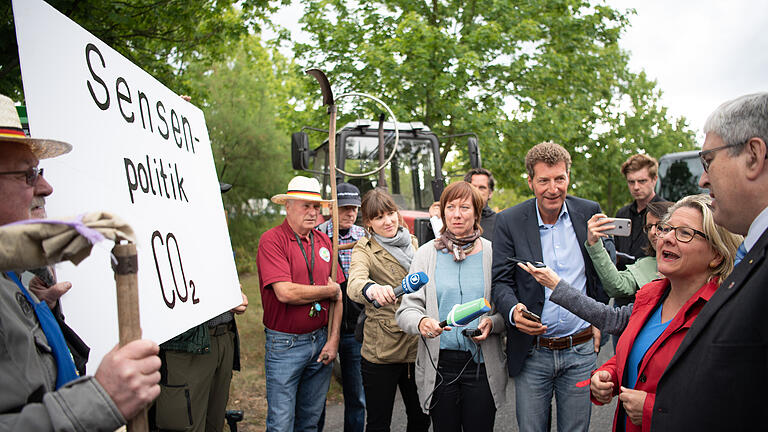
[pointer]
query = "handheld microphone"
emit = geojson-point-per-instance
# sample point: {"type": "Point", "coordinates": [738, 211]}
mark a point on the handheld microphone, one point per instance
{"type": "Point", "coordinates": [465, 313]}
{"type": "Point", "coordinates": [411, 283]}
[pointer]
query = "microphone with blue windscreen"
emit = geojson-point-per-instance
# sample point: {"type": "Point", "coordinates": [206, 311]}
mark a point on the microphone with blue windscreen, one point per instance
{"type": "Point", "coordinates": [410, 284]}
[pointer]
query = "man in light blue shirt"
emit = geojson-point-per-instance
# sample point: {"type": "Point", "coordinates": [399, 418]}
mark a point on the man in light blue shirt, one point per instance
{"type": "Point", "coordinates": [550, 357]}
{"type": "Point", "coordinates": [560, 251]}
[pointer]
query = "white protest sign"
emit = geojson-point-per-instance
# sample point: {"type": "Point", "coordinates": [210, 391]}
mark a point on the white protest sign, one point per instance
{"type": "Point", "coordinates": [140, 152]}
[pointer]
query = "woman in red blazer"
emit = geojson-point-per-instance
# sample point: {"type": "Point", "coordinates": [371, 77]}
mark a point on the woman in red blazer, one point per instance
{"type": "Point", "coordinates": [694, 254]}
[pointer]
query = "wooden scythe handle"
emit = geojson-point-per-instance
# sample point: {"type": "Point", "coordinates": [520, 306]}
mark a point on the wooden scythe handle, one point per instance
{"type": "Point", "coordinates": [334, 203]}
{"type": "Point", "coordinates": [334, 208]}
{"type": "Point", "coordinates": [325, 88]}
{"type": "Point", "coordinates": [128, 319]}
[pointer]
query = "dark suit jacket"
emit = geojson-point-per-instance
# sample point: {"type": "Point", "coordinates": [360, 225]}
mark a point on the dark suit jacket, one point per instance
{"type": "Point", "coordinates": [716, 380]}
{"type": "Point", "coordinates": [517, 235]}
{"type": "Point", "coordinates": [487, 222]}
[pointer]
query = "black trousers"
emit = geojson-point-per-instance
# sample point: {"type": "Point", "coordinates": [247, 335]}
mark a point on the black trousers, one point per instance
{"type": "Point", "coordinates": [380, 381]}
{"type": "Point", "coordinates": [462, 401]}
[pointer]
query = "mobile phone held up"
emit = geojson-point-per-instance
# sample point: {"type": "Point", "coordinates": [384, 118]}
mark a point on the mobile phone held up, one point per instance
{"type": "Point", "coordinates": [537, 264]}
{"type": "Point", "coordinates": [623, 227]}
{"type": "Point", "coordinates": [530, 315]}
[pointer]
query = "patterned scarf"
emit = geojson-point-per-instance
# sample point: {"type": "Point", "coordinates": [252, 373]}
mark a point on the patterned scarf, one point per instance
{"type": "Point", "coordinates": [458, 245]}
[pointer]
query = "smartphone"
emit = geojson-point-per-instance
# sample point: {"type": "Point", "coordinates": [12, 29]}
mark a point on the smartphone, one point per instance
{"type": "Point", "coordinates": [530, 315]}
{"type": "Point", "coordinates": [470, 333]}
{"type": "Point", "coordinates": [536, 264]}
{"type": "Point", "coordinates": [623, 227]}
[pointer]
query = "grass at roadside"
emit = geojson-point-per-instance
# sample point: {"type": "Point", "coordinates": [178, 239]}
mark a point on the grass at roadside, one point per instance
{"type": "Point", "coordinates": [248, 389]}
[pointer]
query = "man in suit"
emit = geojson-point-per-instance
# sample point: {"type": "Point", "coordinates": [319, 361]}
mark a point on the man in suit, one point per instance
{"type": "Point", "coordinates": [715, 380]}
{"type": "Point", "coordinates": [552, 356]}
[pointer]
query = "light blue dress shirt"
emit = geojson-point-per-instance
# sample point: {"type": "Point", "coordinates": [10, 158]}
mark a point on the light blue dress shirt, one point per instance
{"type": "Point", "coordinates": [560, 252]}
{"type": "Point", "coordinates": [756, 229]}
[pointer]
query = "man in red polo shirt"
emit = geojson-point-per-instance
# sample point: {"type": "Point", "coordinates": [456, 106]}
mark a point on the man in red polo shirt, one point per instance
{"type": "Point", "coordinates": [294, 262]}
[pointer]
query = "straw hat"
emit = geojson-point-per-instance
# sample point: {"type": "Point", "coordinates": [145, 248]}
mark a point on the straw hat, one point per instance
{"type": "Point", "coordinates": [11, 132]}
{"type": "Point", "coordinates": [301, 188]}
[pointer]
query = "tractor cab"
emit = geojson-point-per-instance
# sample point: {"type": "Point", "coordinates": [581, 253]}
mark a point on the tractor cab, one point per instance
{"type": "Point", "coordinates": [413, 175]}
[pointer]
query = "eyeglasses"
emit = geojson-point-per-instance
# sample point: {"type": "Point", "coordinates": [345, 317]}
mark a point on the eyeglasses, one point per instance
{"type": "Point", "coordinates": [705, 162]}
{"type": "Point", "coordinates": [647, 227]}
{"type": "Point", "coordinates": [31, 174]}
{"type": "Point", "coordinates": [682, 233]}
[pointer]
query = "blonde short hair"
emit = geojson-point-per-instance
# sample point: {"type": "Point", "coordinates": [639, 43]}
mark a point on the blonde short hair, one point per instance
{"type": "Point", "coordinates": [722, 241]}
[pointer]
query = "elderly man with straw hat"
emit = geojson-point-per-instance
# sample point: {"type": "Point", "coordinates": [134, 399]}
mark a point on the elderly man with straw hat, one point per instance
{"type": "Point", "coordinates": [297, 294]}
{"type": "Point", "coordinates": [40, 389]}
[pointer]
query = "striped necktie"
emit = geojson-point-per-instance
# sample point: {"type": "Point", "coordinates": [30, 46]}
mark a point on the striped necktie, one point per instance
{"type": "Point", "coordinates": [740, 253]}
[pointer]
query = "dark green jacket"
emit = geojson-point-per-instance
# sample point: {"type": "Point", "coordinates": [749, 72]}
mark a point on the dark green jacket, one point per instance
{"type": "Point", "coordinates": [197, 340]}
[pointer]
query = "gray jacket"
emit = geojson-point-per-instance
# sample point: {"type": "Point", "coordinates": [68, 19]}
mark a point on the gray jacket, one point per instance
{"type": "Point", "coordinates": [28, 399]}
{"type": "Point", "coordinates": [423, 303]}
{"type": "Point", "coordinates": [607, 318]}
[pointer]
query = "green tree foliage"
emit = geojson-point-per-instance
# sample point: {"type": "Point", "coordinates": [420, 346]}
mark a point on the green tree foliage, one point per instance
{"type": "Point", "coordinates": [161, 36]}
{"type": "Point", "coordinates": [239, 96]}
{"type": "Point", "coordinates": [515, 72]}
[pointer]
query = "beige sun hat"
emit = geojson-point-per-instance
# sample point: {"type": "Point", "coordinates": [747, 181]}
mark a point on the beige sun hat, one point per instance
{"type": "Point", "coordinates": [11, 132]}
{"type": "Point", "coordinates": [301, 188]}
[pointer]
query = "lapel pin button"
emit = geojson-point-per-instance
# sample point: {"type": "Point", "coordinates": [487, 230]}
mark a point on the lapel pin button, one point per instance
{"type": "Point", "coordinates": [730, 285]}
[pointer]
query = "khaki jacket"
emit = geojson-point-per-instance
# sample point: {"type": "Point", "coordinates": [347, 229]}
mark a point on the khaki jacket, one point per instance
{"type": "Point", "coordinates": [383, 340]}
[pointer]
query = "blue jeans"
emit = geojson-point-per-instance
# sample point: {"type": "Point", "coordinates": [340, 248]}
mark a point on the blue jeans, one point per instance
{"type": "Point", "coordinates": [296, 382]}
{"type": "Point", "coordinates": [352, 384]}
{"type": "Point", "coordinates": [555, 371]}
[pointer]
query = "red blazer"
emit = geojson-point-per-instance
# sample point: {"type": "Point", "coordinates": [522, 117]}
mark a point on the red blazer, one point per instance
{"type": "Point", "coordinates": [660, 353]}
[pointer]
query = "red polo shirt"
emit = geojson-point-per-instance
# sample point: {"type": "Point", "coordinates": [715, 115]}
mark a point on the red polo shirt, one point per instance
{"type": "Point", "coordinates": [280, 259]}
